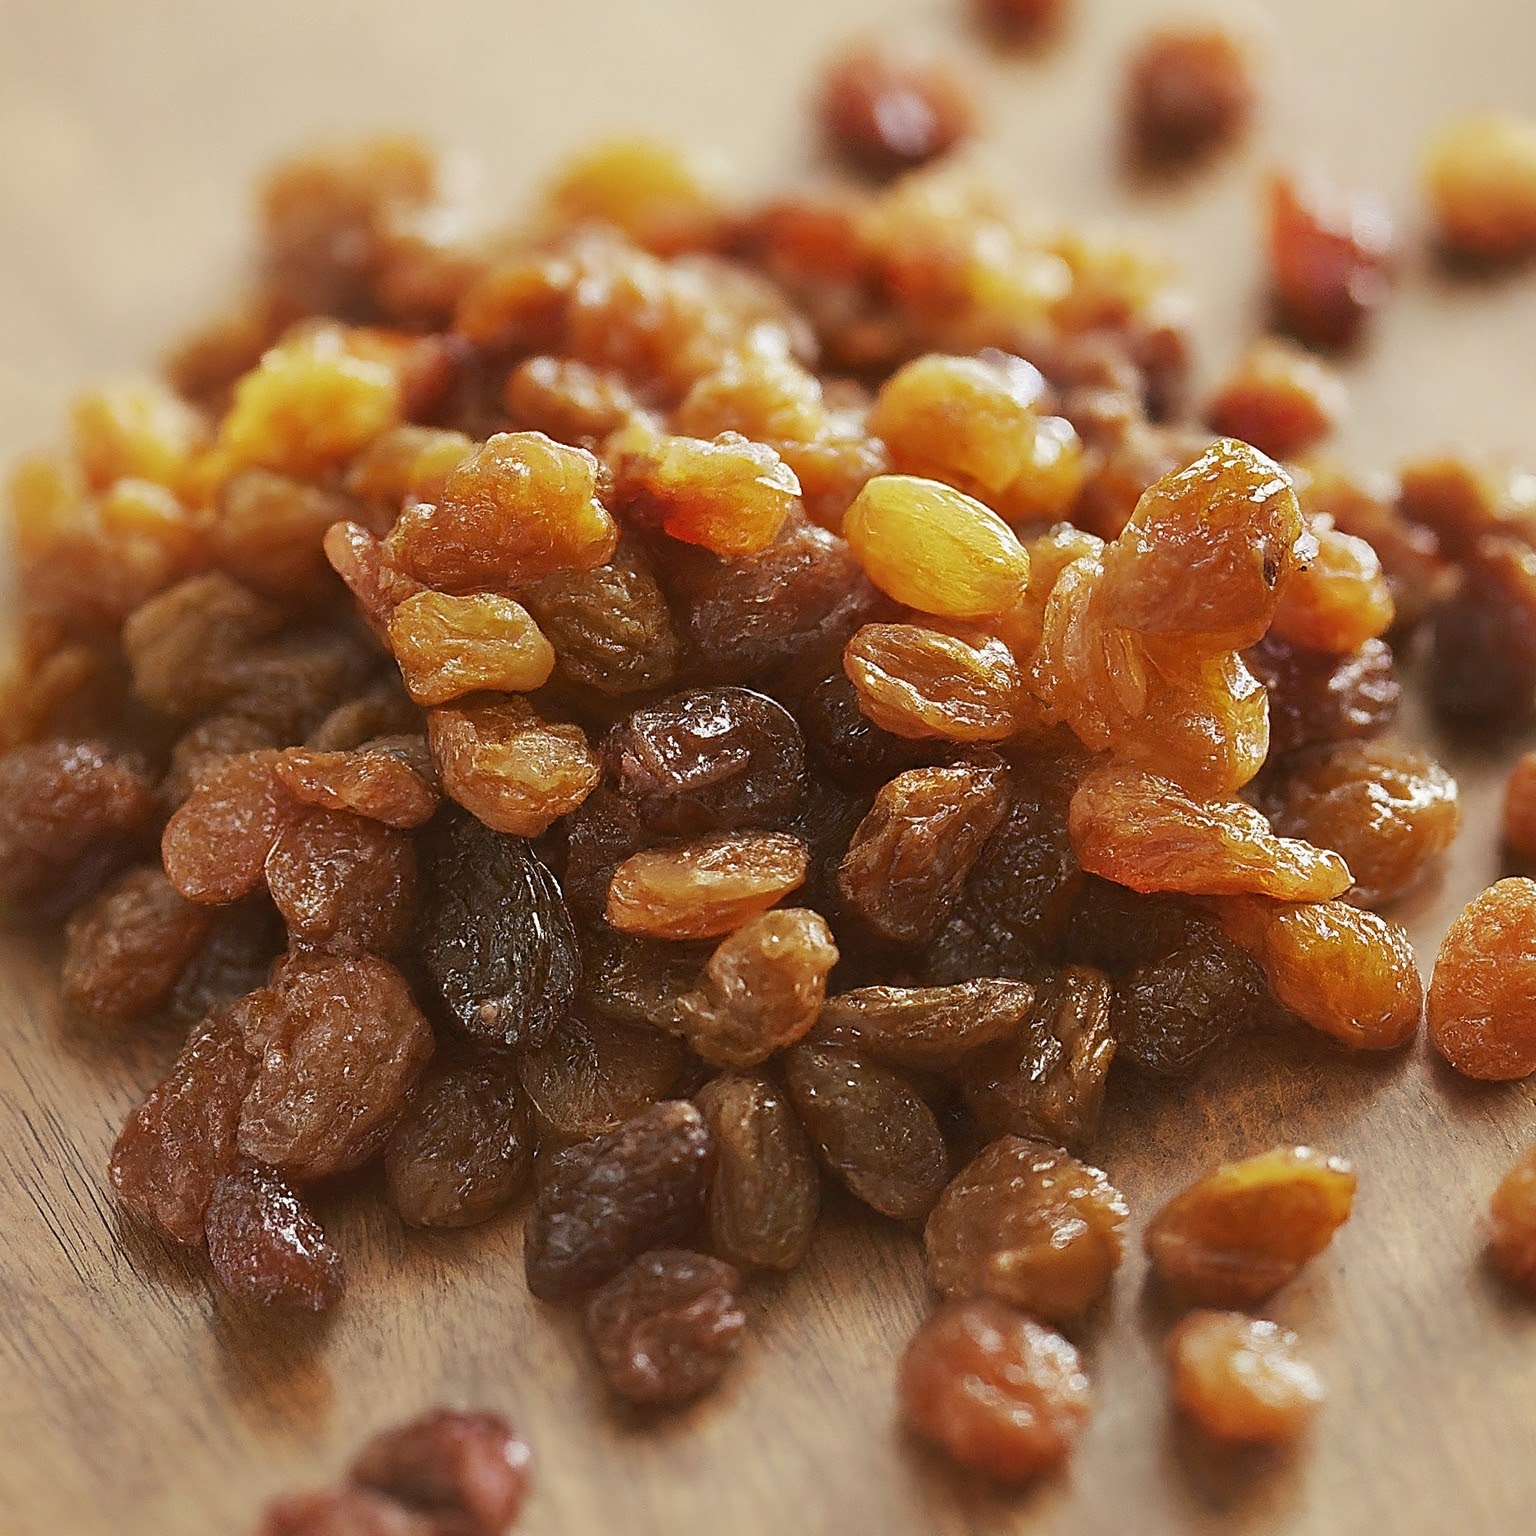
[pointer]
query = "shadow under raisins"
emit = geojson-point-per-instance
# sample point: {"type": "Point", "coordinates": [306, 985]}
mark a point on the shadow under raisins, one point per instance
{"type": "Point", "coordinates": [1250, 1486]}
{"type": "Point", "coordinates": [272, 1366]}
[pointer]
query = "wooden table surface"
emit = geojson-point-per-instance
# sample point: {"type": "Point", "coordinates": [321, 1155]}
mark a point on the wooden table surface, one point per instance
{"type": "Point", "coordinates": [134, 1402]}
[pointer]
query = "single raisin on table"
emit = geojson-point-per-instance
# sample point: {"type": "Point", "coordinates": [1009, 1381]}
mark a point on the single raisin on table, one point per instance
{"type": "Point", "coordinates": [1519, 817]}
{"type": "Point", "coordinates": [665, 1327]}
{"type": "Point", "coordinates": [761, 989]}
{"type": "Point", "coordinates": [993, 1390]}
{"type": "Point", "coordinates": [464, 1149]}
{"type": "Point", "coordinates": [1480, 175]}
{"type": "Point", "coordinates": [1237, 1235]}
{"type": "Point", "coordinates": [1241, 1378]}
{"type": "Point", "coordinates": [1481, 1007]}
{"type": "Point", "coordinates": [266, 1246]}
{"type": "Point", "coordinates": [1030, 1224]}
{"type": "Point", "coordinates": [766, 1190]}
{"type": "Point", "coordinates": [494, 935]}
{"type": "Point", "coordinates": [885, 109]}
{"type": "Point", "coordinates": [605, 1202]}
{"type": "Point", "coordinates": [870, 1127]}
{"type": "Point", "coordinates": [1512, 1223]}
{"type": "Point", "coordinates": [463, 1474]}
{"type": "Point", "coordinates": [1188, 92]}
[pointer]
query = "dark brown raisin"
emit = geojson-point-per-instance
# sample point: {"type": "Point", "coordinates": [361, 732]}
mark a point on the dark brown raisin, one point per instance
{"type": "Point", "coordinates": [631, 979]}
{"type": "Point", "coordinates": [236, 958]}
{"type": "Point", "coordinates": [494, 934]}
{"type": "Point", "coordinates": [606, 1201]}
{"type": "Point", "coordinates": [665, 1327]}
{"type": "Point", "coordinates": [1187, 93]}
{"type": "Point", "coordinates": [1317, 697]}
{"type": "Point", "coordinates": [464, 1149]}
{"type": "Point", "coordinates": [870, 1127]}
{"type": "Point", "coordinates": [266, 1246]}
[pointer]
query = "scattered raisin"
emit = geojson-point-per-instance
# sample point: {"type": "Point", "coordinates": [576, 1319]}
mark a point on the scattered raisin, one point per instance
{"type": "Point", "coordinates": [1188, 92]}
{"type": "Point", "coordinates": [266, 1247]}
{"type": "Point", "coordinates": [344, 1511]}
{"type": "Point", "coordinates": [885, 109]}
{"type": "Point", "coordinates": [1241, 1378]}
{"type": "Point", "coordinates": [1512, 1223]}
{"type": "Point", "coordinates": [1279, 398]}
{"type": "Point", "coordinates": [1480, 175]}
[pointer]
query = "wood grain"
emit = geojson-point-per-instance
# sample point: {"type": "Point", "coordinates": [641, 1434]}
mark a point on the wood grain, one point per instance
{"type": "Point", "coordinates": [133, 1401]}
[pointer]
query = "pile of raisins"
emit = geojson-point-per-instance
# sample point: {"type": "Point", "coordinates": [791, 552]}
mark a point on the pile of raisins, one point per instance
{"type": "Point", "coordinates": [701, 701]}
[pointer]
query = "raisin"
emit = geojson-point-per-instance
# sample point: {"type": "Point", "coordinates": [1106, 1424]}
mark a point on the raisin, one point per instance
{"type": "Point", "coordinates": [700, 889]}
{"type": "Point", "coordinates": [845, 742]}
{"type": "Point", "coordinates": [463, 1150]}
{"type": "Point", "coordinates": [1519, 818]}
{"type": "Point", "coordinates": [870, 1127]}
{"type": "Point", "coordinates": [494, 935]}
{"type": "Point", "coordinates": [464, 1474]}
{"type": "Point", "coordinates": [1480, 176]}
{"type": "Point", "coordinates": [766, 1190]}
{"type": "Point", "coordinates": [1346, 972]}
{"type": "Point", "coordinates": [236, 958]}
{"type": "Point", "coordinates": [69, 813]}
{"type": "Point", "coordinates": [448, 646]}
{"type": "Point", "coordinates": [587, 1077]}
{"type": "Point", "coordinates": [1030, 1224]}
{"type": "Point", "coordinates": [1481, 1006]}
{"type": "Point", "coordinates": [1482, 640]}
{"type": "Point", "coordinates": [631, 979]}
{"type": "Point", "coordinates": [1116, 930]}
{"type": "Point", "coordinates": [885, 109]}
{"type": "Point", "coordinates": [1169, 1014]}
{"type": "Point", "coordinates": [341, 1512]}
{"type": "Point", "coordinates": [1316, 697]}
{"type": "Point", "coordinates": [1512, 1223]}
{"type": "Point", "coordinates": [410, 462]}
{"type": "Point", "coordinates": [338, 1046]}
{"type": "Point", "coordinates": [389, 779]}
{"type": "Point", "coordinates": [1048, 1078]}
{"type": "Point", "coordinates": [710, 760]}
{"type": "Point", "coordinates": [569, 400]}
{"type": "Point", "coordinates": [1147, 833]}
{"type": "Point", "coordinates": [180, 1141]}
{"type": "Point", "coordinates": [1238, 1234]}
{"type": "Point", "coordinates": [268, 530]}
{"type": "Point", "coordinates": [1279, 398]}
{"type": "Point", "coordinates": [930, 1029]}
{"type": "Point", "coordinates": [343, 883]}
{"type": "Point", "coordinates": [216, 845]}
{"type": "Point", "coordinates": [761, 989]}
{"type": "Point", "coordinates": [135, 431]}
{"type": "Point", "coordinates": [1387, 811]}
{"type": "Point", "coordinates": [1241, 1379]}
{"type": "Point", "coordinates": [1331, 254]}
{"type": "Point", "coordinates": [610, 626]}
{"type": "Point", "coordinates": [266, 1247]}
{"type": "Point", "coordinates": [512, 769]}
{"type": "Point", "coordinates": [934, 548]}
{"type": "Point", "coordinates": [607, 1201]}
{"type": "Point", "coordinates": [1340, 602]}
{"type": "Point", "coordinates": [921, 683]}
{"type": "Point", "coordinates": [520, 508]}
{"type": "Point", "coordinates": [127, 949]}
{"type": "Point", "coordinates": [1188, 93]}
{"type": "Point", "coordinates": [666, 1327]}
{"type": "Point", "coordinates": [1023, 21]}
{"type": "Point", "coordinates": [910, 856]}
{"type": "Point", "coordinates": [995, 1391]}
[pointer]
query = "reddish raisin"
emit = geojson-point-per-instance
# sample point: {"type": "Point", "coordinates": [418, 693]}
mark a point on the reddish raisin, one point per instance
{"type": "Point", "coordinates": [1241, 1378]}
{"type": "Point", "coordinates": [886, 109]}
{"type": "Point", "coordinates": [266, 1247]}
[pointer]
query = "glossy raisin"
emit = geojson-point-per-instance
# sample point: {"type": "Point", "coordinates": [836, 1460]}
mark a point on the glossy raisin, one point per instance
{"type": "Point", "coordinates": [385, 778]}
{"type": "Point", "coordinates": [931, 1029]}
{"type": "Point", "coordinates": [266, 1246]}
{"type": "Point", "coordinates": [1482, 640]}
{"type": "Point", "coordinates": [1242, 1379]}
{"type": "Point", "coordinates": [631, 979]}
{"type": "Point", "coordinates": [216, 845]}
{"type": "Point", "coordinates": [1315, 697]}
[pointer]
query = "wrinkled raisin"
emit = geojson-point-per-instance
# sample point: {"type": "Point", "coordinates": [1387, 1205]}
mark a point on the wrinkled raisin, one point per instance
{"type": "Point", "coordinates": [448, 646]}
{"type": "Point", "coordinates": [1279, 398]}
{"type": "Point", "coordinates": [927, 1028]}
{"type": "Point", "coordinates": [1241, 1378]}
{"type": "Point", "coordinates": [1340, 601]}
{"type": "Point", "coordinates": [1317, 697]}
{"type": "Point", "coordinates": [387, 779]}
{"type": "Point", "coordinates": [631, 979]}
{"type": "Point", "coordinates": [216, 845]}
{"type": "Point", "coordinates": [266, 1246]}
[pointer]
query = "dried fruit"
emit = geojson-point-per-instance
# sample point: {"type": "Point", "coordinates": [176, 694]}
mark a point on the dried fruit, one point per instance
{"type": "Point", "coordinates": [1030, 1224]}
{"type": "Point", "coordinates": [635, 980]}
{"type": "Point", "coordinates": [926, 1028]}
{"type": "Point", "coordinates": [1188, 92]}
{"type": "Point", "coordinates": [494, 935]}
{"type": "Point", "coordinates": [870, 1127]}
{"type": "Point", "coordinates": [1519, 820]}
{"type": "Point", "coordinates": [1317, 697]}
{"type": "Point", "coordinates": [993, 1390]}
{"type": "Point", "coordinates": [385, 778]}
{"type": "Point", "coordinates": [1480, 177]}
{"type": "Point", "coordinates": [266, 1247]}
{"type": "Point", "coordinates": [698, 890]}
{"type": "Point", "coordinates": [448, 646]}
{"type": "Point", "coordinates": [344, 1511]}
{"type": "Point", "coordinates": [1481, 1006]}
{"type": "Point", "coordinates": [1238, 1234]}
{"type": "Point", "coordinates": [885, 109]}
{"type": "Point", "coordinates": [665, 1327]}
{"type": "Point", "coordinates": [216, 845]}
{"type": "Point", "coordinates": [1340, 602]}
{"type": "Point", "coordinates": [464, 1149]}
{"type": "Point", "coordinates": [607, 1201]}
{"type": "Point", "coordinates": [766, 1189]}
{"type": "Point", "coordinates": [1512, 1223]}
{"type": "Point", "coordinates": [1482, 639]}
{"type": "Point", "coordinates": [1241, 1378]}
{"type": "Point", "coordinates": [1279, 398]}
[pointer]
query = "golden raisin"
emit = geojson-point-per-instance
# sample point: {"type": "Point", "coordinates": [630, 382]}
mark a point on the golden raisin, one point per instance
{"type": "Point", "coordinates": [448, 646]}
{"type": "Point", "coordinates": [1241, 1378]}
{"type": "Point", "coordinates": [1512, 1222]}
{"type": "Point", "coordinates": [1480, 175]}
{"type": "Point", "coordinates": [1338, 602]}
{"type": "Point", "coordinates": [1238, 1234]}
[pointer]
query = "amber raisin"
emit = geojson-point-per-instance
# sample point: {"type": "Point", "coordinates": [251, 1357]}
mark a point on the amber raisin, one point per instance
{"type": "Point", "coordinates": [464, 1474]}
{"type": "Point", "coordinates": [1482, 650]}
{"type": "Point", "coordinates": [338, 1046]}
{"type": "Point", "coordinates": [266, 1246]}
{"type": "Point", "coordinates": [127, 949]}
{"type": "Point", "coordinates": [1317, 697]}
{"type": "Point", "coordinates": [870, 1127]}
{"type": "Point", "coordinates": [1480, 175]}
{"type": "Point", "coordinates": [1030, 1224]}
{"type": "Point", "coordinates": [388, 779]}
{"type": "Point", "coordinates": [448, 646]}
{"type": "Point", "coordinates": [761, 989]}
{"type": "Point", "coordinates": [1279, 398]}
{"type": "Point", "coordinates": [1241, 1378]}
{"type": "Point", "coordinates": [180, 1141]}
{"type": "Point", "coordinates": [1519, 819]}
{"type": "Point", "coordinates": [1238, 1234]}
{"type": "Point", "coordinates": [927, 1028]}
{"type": "Point", "coordinates": [1512, 1223]}
{"type": "Point", "coordinates": [607, 1201]}
{"type": "Point", "coordinates": [665, 1328]}
{"type": "Point", "coordinates": [494, 934]}
{"type": "Point", "coordinates": [710, 760]}
{"type": "Point", "coordinates": [569, 400]}
{"type": "Point", "coordinates": [700, 889]}
{"type": "Point", "coordinates": [766, 1190]}
{"type": "Point", "coordinates": [995, 1391]}
{"type": "Point", "coordinates": [1341, 601]}
{"type": "Point", "coordinates": [1481, 1006]}
{"type": "Point", "coordinates": [463, 1150]}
